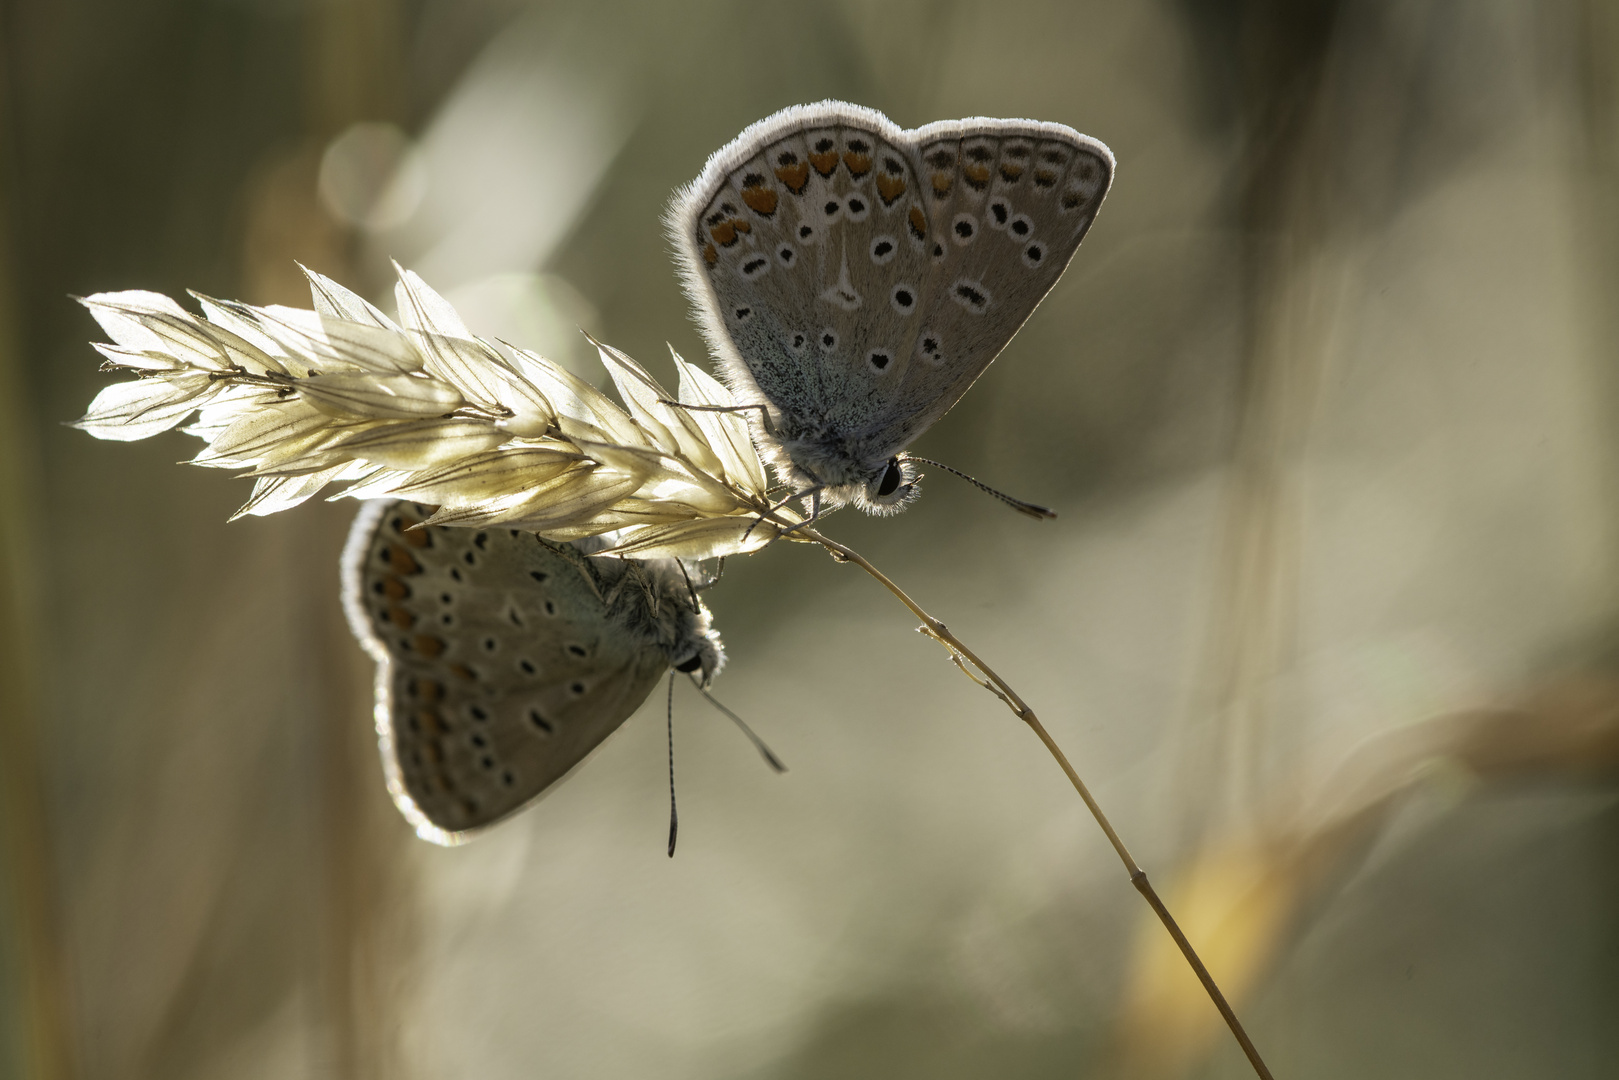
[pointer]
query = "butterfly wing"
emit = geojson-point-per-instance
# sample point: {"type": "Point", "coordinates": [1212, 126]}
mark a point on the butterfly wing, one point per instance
{"type": "Point", "coordinates": [1008, 203]}
{"type": "Point", "coordinates": [803, 247]}
{"type": "Point", "coordinates": [500, 663]}
{"type": "Point", "coordinates": [828, 251]}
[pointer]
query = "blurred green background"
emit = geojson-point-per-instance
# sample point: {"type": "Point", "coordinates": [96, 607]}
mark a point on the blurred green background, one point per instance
{"type": "Point", "coordinates": [1327, 402]}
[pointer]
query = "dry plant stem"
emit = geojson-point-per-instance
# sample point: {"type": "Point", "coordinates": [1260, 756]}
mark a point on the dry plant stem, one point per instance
{"type": "Point", "coordinates": [982, 674]}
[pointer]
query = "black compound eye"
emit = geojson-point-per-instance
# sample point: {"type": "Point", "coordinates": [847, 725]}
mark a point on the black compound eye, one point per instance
{"type": "Point", "coordinates": [891, 478]}
{"type": "Point", "coordinates": [690, 665]}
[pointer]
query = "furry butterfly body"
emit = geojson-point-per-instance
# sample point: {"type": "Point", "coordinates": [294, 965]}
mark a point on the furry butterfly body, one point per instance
{"type": "Point", "coordinates": [856, 278]}
{"type": "Point", "coordinates": [504, 659]}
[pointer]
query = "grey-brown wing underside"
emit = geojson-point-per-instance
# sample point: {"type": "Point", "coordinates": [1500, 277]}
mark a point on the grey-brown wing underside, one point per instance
{"type": "Point", "coordinates": [809, 261]}
{"type": "Point", "coordinates": [500, 663]}
{"type": "Point", "coordinates": [842, 266]}
{"type": "Point", "coordinates": [1008, 204]}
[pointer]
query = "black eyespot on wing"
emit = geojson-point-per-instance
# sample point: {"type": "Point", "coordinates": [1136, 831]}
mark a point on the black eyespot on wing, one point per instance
{"type": "Point", "coordinates": [537, 575]}
{"type": "Point", "coordinates": [482, 540]}
{"type": "Point", "coordinates": [831, 208]}
{"type": "Point", "coordinates": [578, 650]}
{"type": "Point", "coordinates": [527, 666]}
{"type": "Point", "coordinates": [478, 713]}
{"type": "Point", "coordinates": [878, 359]}
{"type": "Point", "coordinates": [805, 232]}
{"type": "Point", "coordinates": [577, 688]}
{"type": "Point", "coordinates": [1001, 211]}
{"type": "Point", "coordinates": [829, 340]}
{"type": "Point", "coordinates": [540, 722]}
{"type": "Point", "coordinates": [971, 295]}
{"type": "Point", "coordinates": [878, 250]}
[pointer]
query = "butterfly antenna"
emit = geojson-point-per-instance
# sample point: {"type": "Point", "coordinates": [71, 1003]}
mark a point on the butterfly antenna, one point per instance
{"type": "Point", "coordinates": [674, 816]}
{"type": "Point", "coordinates": [1034, 510]}
{"type": "Point", "coordinates": [695, 603]}
{"type": "Point", "coordinates": [759, 744]}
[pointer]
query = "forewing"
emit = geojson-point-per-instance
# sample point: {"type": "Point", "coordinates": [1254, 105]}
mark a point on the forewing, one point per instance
{"type": "Point", "coordinates": [804, 244]}
{"type": "Point", "coordinates": [1008, 203]}
{"type": "Point", "coordinates": [500, 664]}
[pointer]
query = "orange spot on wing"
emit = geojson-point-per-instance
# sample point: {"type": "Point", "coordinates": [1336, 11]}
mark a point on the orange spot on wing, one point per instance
{"type": "Point", "coordinates": [977, 175]}
{"type": "Point", "coordinates": [394, 589]}
{"type": "Point", "coordinates": [1045, 177]}
{"type": "Point", "coordinates": [724, 233]}
{"type": "Point", "coordinates": [1010, 172]}
{"type": "Point", "coordinates": [859, 164]}
{"type": "Point", "coordinates": [711, 254]}
{"type": "Point", "coordinates": [761, 200]}
{"type": "Point", "coordinates": [825, 163]}
{"type": "Point", "coordinates": [401, 562]}
{"type": "Point", "coordinates": [918, 222]}
{"type": "Point", "coordinates": [941, 184]}
{"type": "Point", "coordinates": [890, 188]}
{"type": "Point", "coordinates": [428, 645]}
{"type": "Point", "coordinates": [401, 618]}
{"type": "Point", "coordinates": [461, 671]}
{"type": "Point", "coordinates": [795, 176]}
{"type": "Point", "coordinates": [416, 538]}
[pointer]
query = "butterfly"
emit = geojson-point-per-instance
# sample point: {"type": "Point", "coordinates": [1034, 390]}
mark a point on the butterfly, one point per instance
{"type": "Point", "coordinates": [855, 278]}
{"type": "Point", "coordinates": [504, 659]}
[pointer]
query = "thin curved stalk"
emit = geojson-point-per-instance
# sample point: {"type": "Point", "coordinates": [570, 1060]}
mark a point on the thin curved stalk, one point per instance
{"type": "Point", "coordinates": [982, 674]}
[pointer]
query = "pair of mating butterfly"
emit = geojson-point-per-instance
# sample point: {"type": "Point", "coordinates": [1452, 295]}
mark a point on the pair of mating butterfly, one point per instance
{"type": "Point", "coordinates": [853, 279]}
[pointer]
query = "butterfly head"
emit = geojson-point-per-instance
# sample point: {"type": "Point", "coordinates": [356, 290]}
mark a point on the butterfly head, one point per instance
{"type": "Point", "coordinates": [891, 488]}
{"type": "Point", "coordinates": [700, 655]}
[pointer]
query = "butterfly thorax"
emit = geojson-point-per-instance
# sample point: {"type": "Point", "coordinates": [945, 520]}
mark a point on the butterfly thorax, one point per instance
{"type": "Point", "coordinates": [653, 601]}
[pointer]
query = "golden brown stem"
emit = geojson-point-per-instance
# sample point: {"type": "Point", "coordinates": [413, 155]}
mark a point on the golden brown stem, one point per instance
{"type": "Point", "coordinates": [985, 676]}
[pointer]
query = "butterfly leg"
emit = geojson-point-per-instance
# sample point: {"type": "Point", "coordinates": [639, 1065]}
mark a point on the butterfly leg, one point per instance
{"type": "Point", "coordinates": [764, 410]}
{"type": "Point", "coordinates": [814, 496]}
